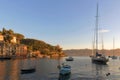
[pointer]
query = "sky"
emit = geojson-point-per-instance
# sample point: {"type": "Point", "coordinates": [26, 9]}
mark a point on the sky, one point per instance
{"type": "Point", "coordinates": [68, 23]}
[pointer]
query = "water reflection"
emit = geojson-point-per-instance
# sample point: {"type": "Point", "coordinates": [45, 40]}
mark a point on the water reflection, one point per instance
{"type": "Point", "coordinates": [14, 71]}
{"type": "Point", "coordinates": [46, 69]}
{"type": "Point", "coordinates": [64, 77]}
{"type": "Point", "coordinates": [9, 70]}
{"type": "Point", "coordinates": [100, 71]}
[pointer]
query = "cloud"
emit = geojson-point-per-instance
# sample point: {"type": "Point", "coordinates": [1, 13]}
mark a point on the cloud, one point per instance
{"type": "Point", "coordinates": [104, 30]}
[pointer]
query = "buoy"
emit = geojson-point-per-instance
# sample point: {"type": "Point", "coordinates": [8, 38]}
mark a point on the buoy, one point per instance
{"type": "Point", "coordinates": [107, 74]}
{"type": "Point", "coordinates": [58, 66]}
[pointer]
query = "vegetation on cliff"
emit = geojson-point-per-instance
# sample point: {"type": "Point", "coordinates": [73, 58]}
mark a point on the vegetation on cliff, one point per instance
{"type": "Point", "coordinates": [43, 47]}
{"type": "Point", "coordinates": [9, 34]}
{"type": "Point", "coordinates": [32, 44]}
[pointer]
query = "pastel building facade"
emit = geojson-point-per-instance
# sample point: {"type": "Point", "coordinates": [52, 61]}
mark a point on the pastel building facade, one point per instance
{"type": "Point", "coordinates": [12, 48]}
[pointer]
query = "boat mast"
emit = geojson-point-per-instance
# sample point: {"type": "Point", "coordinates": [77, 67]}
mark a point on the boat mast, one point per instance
{"type": "Point", "coordinates": [102, 45]}
{"type": "Point", "coordinates": [113, 45]}
{"type": "Point", "coordinates": [97, 30]}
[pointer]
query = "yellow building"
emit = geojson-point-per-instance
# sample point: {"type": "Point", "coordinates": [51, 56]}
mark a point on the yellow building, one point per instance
{"type": "Point", "coordinates": [13, 40]}
{"type": "Point", "coordinates": [1, 37]}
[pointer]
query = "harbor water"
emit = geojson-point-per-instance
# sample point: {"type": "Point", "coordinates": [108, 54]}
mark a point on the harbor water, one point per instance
{"type": "Point", "coordinates": [46, 69]}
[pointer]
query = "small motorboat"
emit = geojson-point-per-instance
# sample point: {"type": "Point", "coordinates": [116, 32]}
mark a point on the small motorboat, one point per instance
{"type": "Point", "coordinates": [5, 57]}
{"type": "Point", "coordinates": [26, 71]}
{"type": "Point", "coordinates": [65, 70]}
{"type": "Point", "coordinates": [69, 59]}
{"type": "Point", "coordinates": [114, 57]}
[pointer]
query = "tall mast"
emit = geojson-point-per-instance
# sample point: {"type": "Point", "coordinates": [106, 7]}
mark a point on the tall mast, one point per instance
{"type": "Point", "coordinates": [97, 29]}
{"type": "Point", "coordinates": [113, 45]}
{"type": "Point", "coordinates": [102, 45]}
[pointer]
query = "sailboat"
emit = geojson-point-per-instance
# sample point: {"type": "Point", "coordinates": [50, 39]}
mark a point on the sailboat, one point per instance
{"type": "Point", "coordinates": [113, 57]}
{"type": "Point", "coordinates": [98, 58]}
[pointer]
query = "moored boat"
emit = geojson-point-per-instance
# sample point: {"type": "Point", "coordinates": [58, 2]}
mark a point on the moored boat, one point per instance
{"type": "Point", "coordinates": [114, 57]}
{"type": "Point", "coordinates": [27, 66]}
{"type": "Point", "coordinates": [65, 70]}
{"type": "Point", "coordinates": [26, 71]}
{"type": "Point", "coordinates": [69, 59]}
{"type": "Point", "coordinates": [5, 57]}
{"type": "Point", "coordinates": [98, 58]}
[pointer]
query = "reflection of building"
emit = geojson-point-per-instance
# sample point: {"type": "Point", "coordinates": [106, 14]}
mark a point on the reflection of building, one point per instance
{"type": "Point", "coordinates": [12, 49]}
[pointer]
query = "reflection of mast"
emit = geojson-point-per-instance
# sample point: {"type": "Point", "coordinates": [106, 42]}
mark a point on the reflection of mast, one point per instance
{"type": "Point", "coordinates": [98, 70]}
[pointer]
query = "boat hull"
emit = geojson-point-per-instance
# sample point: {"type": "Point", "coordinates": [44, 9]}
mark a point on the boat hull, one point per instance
{"type": "Point", "coordinates": [100, 60]}
{"type": "Point", "coordinates": [65, 70]}
{"type": "Point", "coordinates": [5, 58]}
{"type": "Point", "coordinates": [26, 71]}
{"type": "Point", "coordinates": [114, 57]}
{"type": "Point", "coordinates": [69, 59]}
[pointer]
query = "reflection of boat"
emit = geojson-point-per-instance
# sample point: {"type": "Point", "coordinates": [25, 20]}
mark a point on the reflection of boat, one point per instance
{"type": "Point", "coordinates": [98, 58]}
{"type": "Point", "coordinates": [65, 70]}
{"type": "Point", "coordinates": [30, 70]}
{"type": "Point", "coordinates": [69, 59]}
{"type": "Point", "coordinates": [64, 77]}
{"type": "Point", "coordinates": [99, 73]}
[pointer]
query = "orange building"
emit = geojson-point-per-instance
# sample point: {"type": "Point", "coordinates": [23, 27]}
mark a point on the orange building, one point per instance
{"type": "Point", "coordinates": [21, 50]}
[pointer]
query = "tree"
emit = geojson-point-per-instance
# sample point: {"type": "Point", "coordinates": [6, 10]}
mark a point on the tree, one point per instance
{"type": "Point", "coordinates": [10, 32]}
{"type": "Point", "coordinates": [58, 49]}
{"type": "Point", "coordinates": [4, 31]}
{"type": "Point", "coordinates": [8, 38]}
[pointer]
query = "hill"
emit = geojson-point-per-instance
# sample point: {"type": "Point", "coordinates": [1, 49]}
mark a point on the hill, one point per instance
{"type": "Point", "coordinates": [33, 45]}
{"type": "Point", "coordinates": [88, 52]}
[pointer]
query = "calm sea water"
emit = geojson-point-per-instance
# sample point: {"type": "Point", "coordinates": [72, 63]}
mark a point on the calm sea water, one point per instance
{"type": "Point", "coordinates": [46, 69]}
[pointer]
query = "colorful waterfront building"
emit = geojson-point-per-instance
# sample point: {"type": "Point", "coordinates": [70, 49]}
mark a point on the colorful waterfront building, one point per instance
{"type": "Point", "coordinates": [13, 40]}
{"type": "Point", "coordinates": [1, 37]}
{"type": "Point", "coordinates": [21, 50]}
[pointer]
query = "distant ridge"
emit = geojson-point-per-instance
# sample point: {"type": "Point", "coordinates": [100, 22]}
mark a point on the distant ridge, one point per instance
{"type": "Point", "coordinates": [88, 52]}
